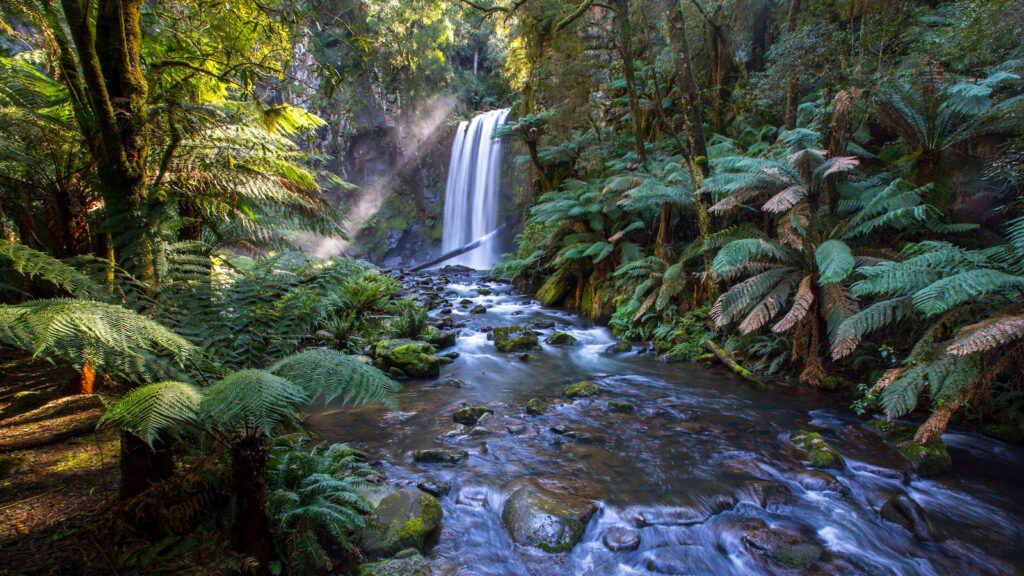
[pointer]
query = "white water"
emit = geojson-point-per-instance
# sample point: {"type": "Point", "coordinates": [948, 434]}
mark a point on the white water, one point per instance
{"type": "Point", "coordinates": [472, 191]}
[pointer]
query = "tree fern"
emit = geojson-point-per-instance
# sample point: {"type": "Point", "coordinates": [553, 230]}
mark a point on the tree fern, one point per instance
{"type": "Point", "coordinates": [335, 375]}
{"type": "Point", "coordinates": [149, 410]}
{"type": "Point", "coordinates": [33, 264]}
{"type": "Point", "coordinates": [252, 400]}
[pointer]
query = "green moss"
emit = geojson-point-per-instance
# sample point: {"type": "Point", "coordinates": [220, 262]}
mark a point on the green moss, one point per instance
{"type": "Point", "coordinates": [514, 338]}
{"type": "Point", "coordinates": [926, 459]}
{"type": "Point", "coordinates": [78, 461]}
{"type": "Point", "coordinates": [536, 407]}
{"type": "Point", "coordinates": [554, 289]}
{"type": "Point", "coordinates": [415, 359]}
{"type": "Point", "coordinates": [478, 309]}
{"type": "Point", "coordinates": [817, 450]}
{"type": "Point", "coordinates": [415, 531]}
{"type": "Point", "coordinates": [470, 414]}
{"type": "Point", "coordinates": [581, 389]}
{"type": "Point", "coordinates": [619, 406]}
{"type": "Point", "coordinates": [526, 356]}
{"type": "Point", "coordinates": [560, 338]}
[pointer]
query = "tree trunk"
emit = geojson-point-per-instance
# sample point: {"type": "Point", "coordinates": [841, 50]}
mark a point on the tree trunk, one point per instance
{"type": "Point", "coordinates": [936, 424]}
{"type": "Point", "coordinates": [142, 466]}
{"type": "Point", "coordinates": [791, 95]}
{"type": "Point", "coordinates": [250, 531]}
{"type": "Point", "coordinates": [698, 154]}
{"type": "Point", "coordinates": [625, 45]}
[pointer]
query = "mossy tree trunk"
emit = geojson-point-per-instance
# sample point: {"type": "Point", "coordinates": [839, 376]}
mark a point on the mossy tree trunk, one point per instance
{"type": "Point", "coordinates": [791, 87]}
{"type": "Point", "coordinates": [628, 69]}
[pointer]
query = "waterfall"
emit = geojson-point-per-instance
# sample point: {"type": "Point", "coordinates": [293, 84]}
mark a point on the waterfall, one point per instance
{"type": "Point", "coordinates": [472, 191]}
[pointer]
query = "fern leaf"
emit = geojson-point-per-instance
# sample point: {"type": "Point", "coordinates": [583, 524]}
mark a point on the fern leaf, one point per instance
{"type": "Point", "coordinates": [835, 261]}
{"type": "Point", "coordinates": [330, 373]}
{"type": "Point", "coordinates": [150, 410]}
{"type": "Point", "coordinates": [252, 399]}
{"type": "Point", "coordinates": [801, 305]}
{"type": "Point", "coordinates": [987, 335]}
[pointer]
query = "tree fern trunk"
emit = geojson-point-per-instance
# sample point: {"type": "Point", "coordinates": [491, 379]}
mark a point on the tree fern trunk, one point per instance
{"type": "Point", "coordinates": [625, 45]}
{"type": "Point", "coordinates": [142, 466]}
{"type": "Point", "coordinates": [251, 529]}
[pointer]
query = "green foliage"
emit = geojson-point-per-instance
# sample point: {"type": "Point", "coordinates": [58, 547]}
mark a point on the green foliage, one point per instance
{"type": "Point", "coordinates": [149, 410]}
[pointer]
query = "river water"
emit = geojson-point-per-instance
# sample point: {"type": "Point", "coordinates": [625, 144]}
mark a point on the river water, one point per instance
{"type": "Point", "coordinates": [686, 471]}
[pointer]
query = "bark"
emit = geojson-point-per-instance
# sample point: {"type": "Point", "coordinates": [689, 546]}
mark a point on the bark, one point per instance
{"type": "Point", "coordinates": [936, 424]}
{"type": "Point", "coordinates": [625, 46]}
{"type": "Point", "coordinates": [698, 154]}
{"type": "Point", "coordinates": [142, 466]}
{"type": "Point", "coordinates": [250, 531]}
{"type": "Point", "coordinates": [791, 87]}
{"type": "Point", "coordinates": [725, 358]}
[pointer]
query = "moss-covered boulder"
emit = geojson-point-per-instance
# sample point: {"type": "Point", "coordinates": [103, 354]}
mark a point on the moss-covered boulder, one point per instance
{"type": "Point", "coordinates": [816, 450]}
{"type": "Point", "coordinates": [526, 356]}
{"type": "Point", "coordinates": [439, 456]}
{"type": "Point", "coordinates": [620, 347]}
{"type": "Point", "coordinates": [406, 518]}
{"type": "Point", "coordinates": [514, 338]}
{"type": "Point", "coordinates": [905, 511]}
{"type": "Point", "coordinates": [620, 406]}
{"type": "Point", "coordinates": [560, 339]}
{"type": "Point", "coordinates": [581, 389]}
{"type": "Point", "coordinates": [551, 521]}
{"type": "Point", "coordinates": [407, 563]}
{"type": "Point", "coordinates": [536, 407]}
{"type": "Point", "coordinates": [469, 415]}
{"type": "Point", "coordinates": [478, 309]}
{"type": "Point", "coordinates": [782, 547]}
{"type": "Point", "coordinates": [437, 338]}
{"type": "Point", "coordinates": [554, 289]}
{"type": "Point", "coordinates": [926, 459]}
{"type": "Point", "coordinates": [415, 359]}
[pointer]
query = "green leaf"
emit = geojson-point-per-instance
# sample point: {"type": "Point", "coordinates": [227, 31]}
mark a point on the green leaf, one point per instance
{"type": "Point", "coordinates": [835, 261]}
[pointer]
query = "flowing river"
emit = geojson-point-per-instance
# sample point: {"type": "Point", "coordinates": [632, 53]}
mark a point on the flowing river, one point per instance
{"type": "Point", "coordinates": [701, 463]}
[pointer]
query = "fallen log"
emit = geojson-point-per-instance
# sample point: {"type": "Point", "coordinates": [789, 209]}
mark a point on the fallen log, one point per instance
{"type": "Point", "coordinates": [458, 251]}
{"type": "Point", "coordinates": [45, 438]}
{"type": "Point", "coordinates": [725, 358]}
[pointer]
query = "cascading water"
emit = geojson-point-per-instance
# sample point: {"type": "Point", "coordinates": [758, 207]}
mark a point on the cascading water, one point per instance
{"type": "Point", "coordinates": [472, 190]}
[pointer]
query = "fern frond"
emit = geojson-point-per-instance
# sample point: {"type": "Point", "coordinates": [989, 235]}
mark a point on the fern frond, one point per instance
{"type": "Point", "coordinates": [33, 264]}
{"type": "Point", "coordinates": [801, 305]}
{"type": "Point", "coordinates": [252, 399]}
{"type": "Point", "coordinates": [330, 373]}
{"type": "Point", "coordinates": [149, 410]}
{"type": "Point", "coordinates": [987, 335]}
{"type": "Point", "coordinates": [850, 332]}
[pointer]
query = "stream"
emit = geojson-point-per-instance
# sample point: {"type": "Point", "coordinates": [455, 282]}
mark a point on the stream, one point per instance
{"type": "Point", "coordinates": [699, 464]}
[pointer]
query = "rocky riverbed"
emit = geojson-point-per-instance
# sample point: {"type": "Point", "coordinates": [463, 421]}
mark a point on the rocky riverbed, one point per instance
{"type": "Point", "coordinates": [529, 442]}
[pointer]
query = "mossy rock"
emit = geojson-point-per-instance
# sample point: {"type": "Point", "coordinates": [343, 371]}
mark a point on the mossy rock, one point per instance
{"type": "Point", "coordinates": [406, 518]}
{"type": "Point", "coordinates": [465, 302]}
{"type": "Point", "coordinates": [27, 400]}
{"type": "Point", "coordinates": [478, 309]}
{"type": "Point", "coordinates": [785, 548]}
{"type": "Point", "coordinates": [536, 407]}
{"type": "Point", "coordinates": [437, 338]}
{"type": "Point", "coordinates": [620, 406]}
{"type": "Point", "coordinates": [470, 414]}
{"type": "Point", "coordinates": [514, 338]}
{"type": "Point", "coordinates": [815, 449]}
{"type": "Point", "coordinates": [526, 356]}
{"type": "Point", "coordinates": [410, 565]}
{"type": "Point", "coordinates": [484, 291]}
{"type": "Point", "coordinates": [620, 347]}
{"type": "Point", "coordinates": [582, 389]}
{"type": "Point", "coordinates": [551, 521]}
{"type": "Point", "coordinates": [554, 289]}
{"type": "Point", "coordinates": [927, 460]}
{"type": "Point", "coordinates": [439, 456]}
{"type": "Point", "coordinates": [414, 358]}
{"type": "Point", "coordinates": [560, 339]}
{"type": "Point", "coordinates": [905, 511]}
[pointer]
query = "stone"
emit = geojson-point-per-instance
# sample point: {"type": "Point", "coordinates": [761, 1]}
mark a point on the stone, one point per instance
{"type": "Point", "coordinates": [927, 460]}
{"type": "Point", "coordinates": [905, 511]}
{"type": "Point", "coordinates": [620, 539]}
{"type": "Point", "coordinates": [439, 456]}
{"type": "Point", "coordinates": [555, 288]}
{"type": "Point", "coordinates": [406, 518]}
{"type": "Point", "coordinates": [820, 481]}
{"type": "Point", "coordinates": [410, 565]}
{"type": "Point", "coordinates": [484, 291]}
{"type": "Point", "coordinates": [536, 407]}
{"type": "Point", "coordinates": [560, 339]}
{"type": "Point", "coordinates": [439, 339]}
{"type": "Point", "coordinates": [816, 450]}
{"type": "Point", "coordinates": [434, 487]}
{"type": "Point", "coordinates": [620, 347]}
{"type": "Point", "coordinates": [542, 324]}
{"type": "Point", "coordinates": [582, 389]}
{"type": "Point", "coordinates": [465, 302]}
{"type": "Point", "coordinates": [526, 356]}
{"type": "Point", "coordinates": [470, 415]}
{"type": "Point", "coordinates": [771, 495]}
{"type": "Point", "coordinates": [516, 429]}
{"type": "Point", "coordinates": [545, 519]}
{"type": "Point", "coordinates": [620, 406]}
{"type": "Point", "coordinates": [415, 359]}
{"type": "Point", "coordinates": [782, 547]}
{"type": "Point", "coordinates": [514, 338]}
{"type": "Point", "coordinates": [454, 383]}
{"type": "Point", "coordinates": [478, 309]}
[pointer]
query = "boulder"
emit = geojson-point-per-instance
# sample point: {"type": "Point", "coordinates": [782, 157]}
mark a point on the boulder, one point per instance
{"type": "Point", "coordinates": [478, 309]}
{"type": "Point", "coordinates": [413, 358]}
{"type": "Point", "coordinates": [620, 406]}
{"type": "Point", "coordinates": [816, 450]}
{"type": "Point", "coordinates": [927, 459]}
{"type": "Point", "coordinates": [620, 347]}
{"type": "Point", "coordinates": [439, 339]}
{"type": "Point", "coordinates": [555, 288]}
{"type": "Point", "coordinates": [542, 518]}
{"type": "Point", "coordinates": [620, 539]}
{"type": "Point", "coordinates": [582, 389]}
{"type": "Point", "coordinates": [820, 481]}
{"type": "Point", "coordinates": [434, 487]}
{"type": "Point", "coordinates": [439, 456]}
{"type": "Point", "coordinates": [406, 518]}
{"type": "Point", "coordinates": [782, 547]}
{"type": "Point", "coordinates": [526, 356]}
{"type": "Point", "coordinates": [542, 324]}
{"type": "Point", "coordinates": [560, 339]}
{"type": "Point", "coordinates": [905, 511]}
{"type": "Point", "coordinates": [514, 338]}
{"type": "Point", "coordinates": [536, 407]}
{"type": "Point", "coordinates": [406, 563]}
{"type": "Point", "coordinates": [470, 415]}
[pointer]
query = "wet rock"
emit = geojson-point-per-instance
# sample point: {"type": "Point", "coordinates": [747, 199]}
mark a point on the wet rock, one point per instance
{"type": "Point", "coordinates": [434, 487]}
{"type": "Point", "coordinates": [621, 539]}
{"type": "Point", "coordinates": [582, 389]}
{"type": "Point", "coordinates": [620, 406]}
{"type": "Point", "coordinates": [579, 435]}
{"type": "Point", "coordinates": [821, 482]}
{"type": "Point", "coordinates": [413, 358]}
{"type": "Point", "coordinates": [406, 518]}
{"type": "Point", "coordinates": [472, 497]}
{"type": "Point", "coordinates": [465, 302]}
{"type": "Point", "coordinates": [560, 339]}
{"type": "Point", "coordinates": [770, 495]}
{"type": "Point", "coordinates": [413, 564]}
{"type": "Point", "coordinates": [905, 511]}
{"type": "Point", "coordinates": [478, 309]}
{"type": "Point", "coordinates": [439, 456]}
{"type": "Point", "coordinates": [555, 288]}
{"type": "Point", "coordinates": [536, 407]}
{"type": "Point", "coordinates": [816, 450]}
{"type": "Point", "coordinates": [484, 291]}
{"type": "Point", "coordinates": [516, 429]}
{"type": "Point", "coordinates": [782, 547]}
{"type": "Point", "coordinates": [744, 467]}
{"type": "Point", "coordinates": [470, 415]}
{"type": "Point", "coordinates": [454, 383]}
{"type": "Point", "coordinates": [683, 515]}
{"type": "Point", "coordinates": [526, 356]}
{"type": "Point", "coordinates": [688, 427]}
{"type": "Point", "coordinates": [514, 338]}
{"type": "Point", "coordinates": [927, 460]}
{"type": "Point", "coordinates": [545, 519]}
{"type": "Point", "coordinates": [439, 339]}
{"type": "Point", "coordinates": [542, 324]}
